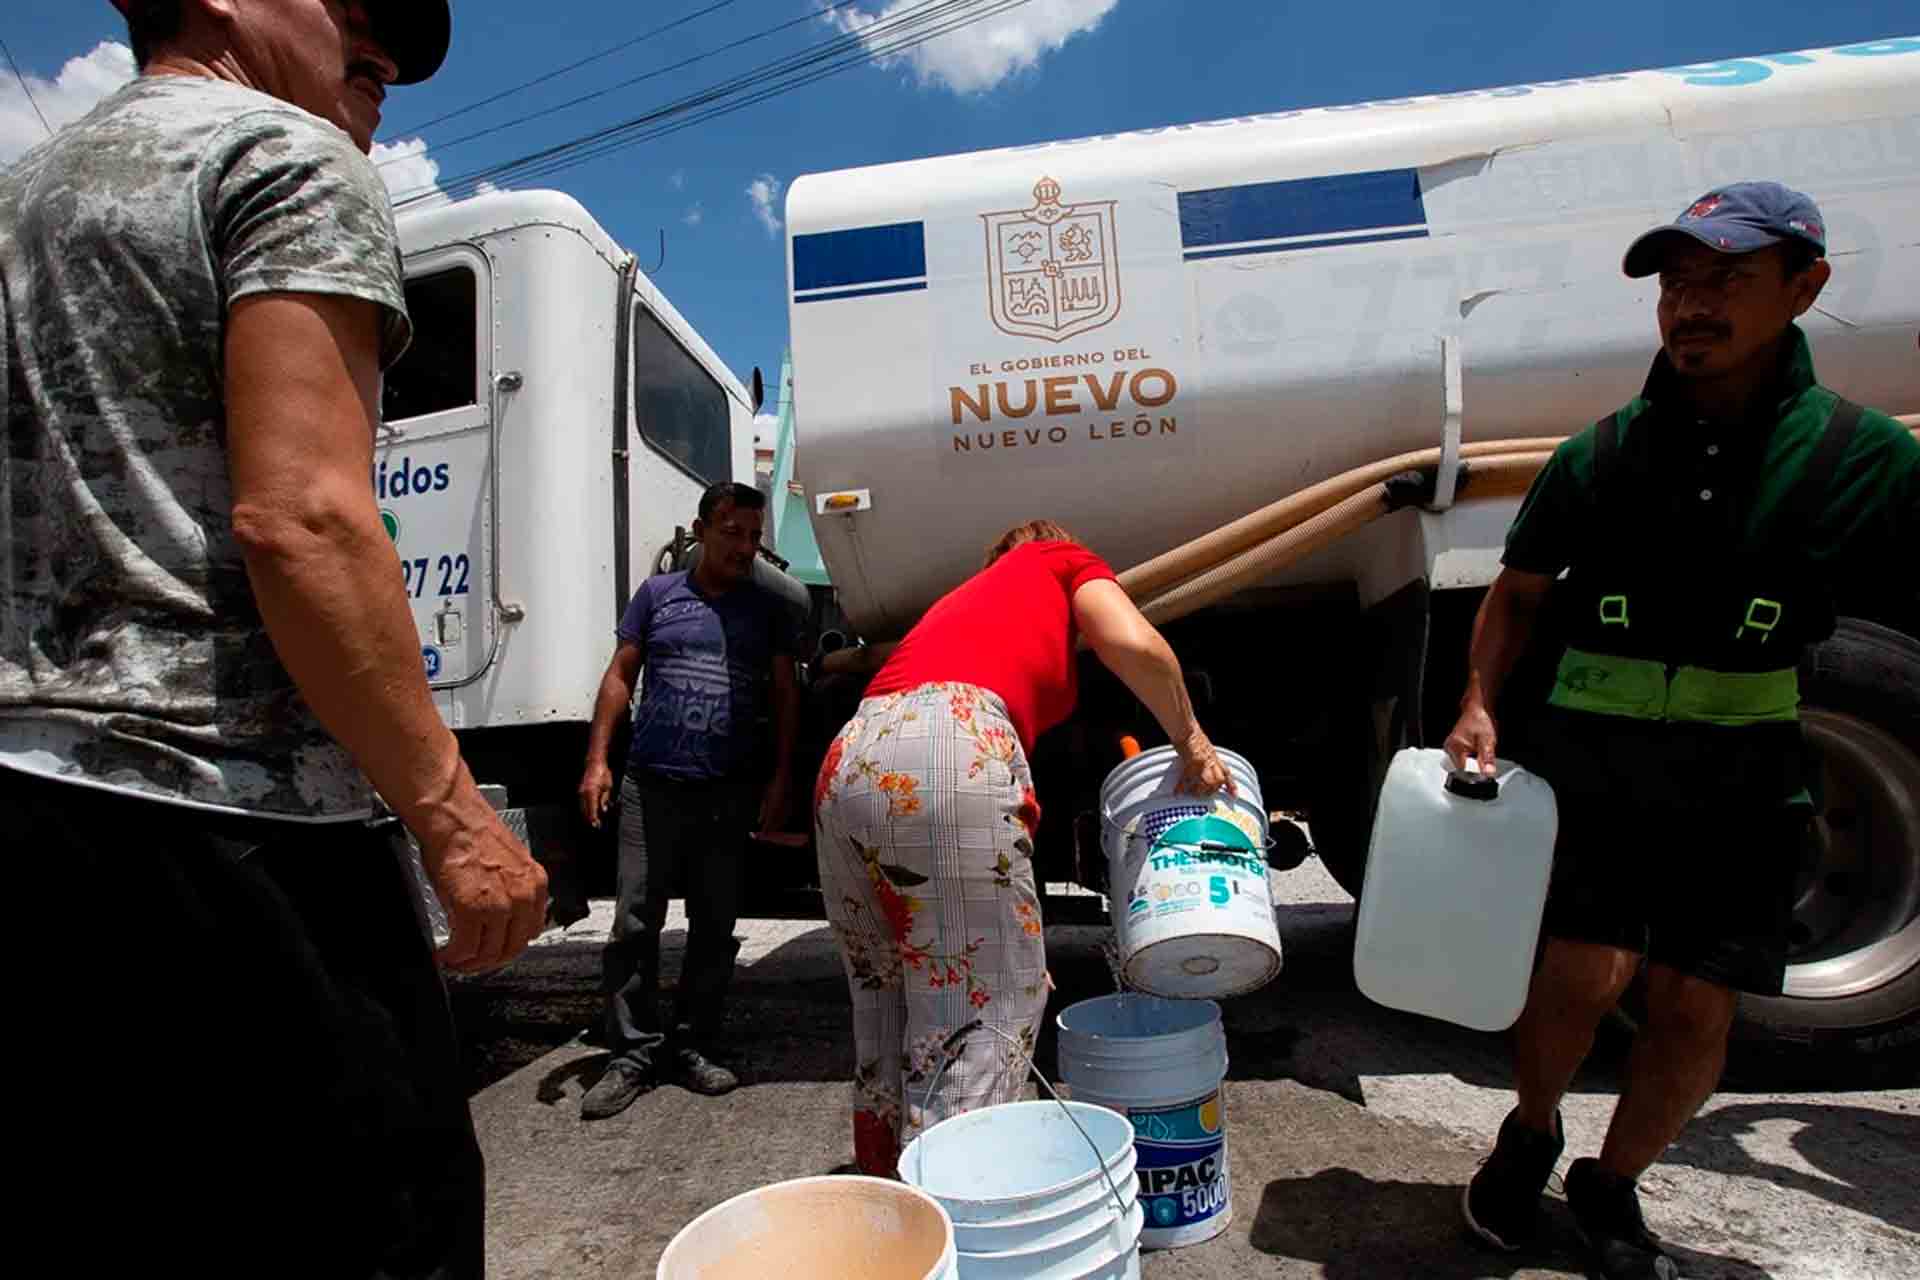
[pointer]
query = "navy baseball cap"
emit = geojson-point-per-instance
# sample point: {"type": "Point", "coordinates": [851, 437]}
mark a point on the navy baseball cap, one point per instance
{"type": "Point", "coordinates": [415, 33]}
{"type": "Point", "coordinates": [1739, 218]}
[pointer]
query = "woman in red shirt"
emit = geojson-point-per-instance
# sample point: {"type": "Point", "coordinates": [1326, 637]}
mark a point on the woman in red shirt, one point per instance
{"type": "Point", "coordinates": [924, 816]}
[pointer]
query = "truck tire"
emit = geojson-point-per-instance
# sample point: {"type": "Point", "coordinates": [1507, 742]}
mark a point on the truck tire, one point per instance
{"type": "Point", "coordinates": [1852, 996]}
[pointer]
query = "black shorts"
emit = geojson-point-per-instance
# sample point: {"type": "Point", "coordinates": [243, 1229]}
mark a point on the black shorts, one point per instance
{"type": "Point", "coordinates": [1675, 842]}
{"type": "Point", "coordinates": [1709, 893]}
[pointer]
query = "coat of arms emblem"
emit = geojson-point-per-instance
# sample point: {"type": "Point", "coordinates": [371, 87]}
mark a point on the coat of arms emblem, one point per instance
{"type": "Point", "coordinates": [1052, 270]}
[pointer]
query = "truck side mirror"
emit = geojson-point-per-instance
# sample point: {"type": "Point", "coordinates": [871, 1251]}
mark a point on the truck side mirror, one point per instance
{"type": "Point", "coordinates": [758, 387]}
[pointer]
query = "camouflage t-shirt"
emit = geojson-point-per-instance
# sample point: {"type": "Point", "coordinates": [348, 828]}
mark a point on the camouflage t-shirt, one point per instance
{"type": "Point", "coordinates": [132, 653]}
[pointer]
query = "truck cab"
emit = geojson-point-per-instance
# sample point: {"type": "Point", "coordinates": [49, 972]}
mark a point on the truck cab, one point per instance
{"type": "Point", "coordinates": [544, 438]}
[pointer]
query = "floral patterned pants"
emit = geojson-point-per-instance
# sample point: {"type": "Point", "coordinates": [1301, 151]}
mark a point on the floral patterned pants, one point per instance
{"type": "Point", "coordinates": [924, 816]}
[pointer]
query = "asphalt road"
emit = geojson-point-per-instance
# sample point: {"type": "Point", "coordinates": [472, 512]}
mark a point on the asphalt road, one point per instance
{"type": "Point", "coordinates": [1351, 1128]}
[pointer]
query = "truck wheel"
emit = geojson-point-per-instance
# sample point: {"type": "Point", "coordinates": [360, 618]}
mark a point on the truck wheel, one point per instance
{"type": "Point", "coordinates": [1853, 977]}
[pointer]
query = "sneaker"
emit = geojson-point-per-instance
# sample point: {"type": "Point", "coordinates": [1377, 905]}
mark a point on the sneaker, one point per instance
{"type": "Point", "coordinates": [1606, 1209]}
{"type": "Point", "coordinates": [624, 1080]}
{"type": "Point", "coordinates": [701, 1074]}
{"type": "Point", "coordinates": [1502, 1203]}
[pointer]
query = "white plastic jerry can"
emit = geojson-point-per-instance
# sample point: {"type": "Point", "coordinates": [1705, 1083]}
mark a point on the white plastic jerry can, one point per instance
{"type": "Point", "coordinates": [1456, 882]}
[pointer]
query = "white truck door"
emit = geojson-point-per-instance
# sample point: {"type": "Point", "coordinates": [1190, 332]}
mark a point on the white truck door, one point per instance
{"type": "Point", "coordinates": [432, 468]}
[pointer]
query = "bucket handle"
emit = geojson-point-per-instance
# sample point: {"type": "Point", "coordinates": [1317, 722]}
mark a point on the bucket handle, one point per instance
{"type": "Point", "coordinates": [952, 1042]}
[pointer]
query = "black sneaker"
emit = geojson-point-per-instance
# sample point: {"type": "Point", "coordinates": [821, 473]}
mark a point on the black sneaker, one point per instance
{"type": "Point", "coordinates": [701, 1074]}
{"type": "Point", "coordinates": [1502, 1203]}
{"type": "Point", "coordinates": [1606, 1209]}
{"type": "Point", "coordinates": [624, 1080]}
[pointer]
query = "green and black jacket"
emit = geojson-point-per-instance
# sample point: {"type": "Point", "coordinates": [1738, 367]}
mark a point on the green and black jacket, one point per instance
{"type": "Point", "coordinates": [1701, 558]}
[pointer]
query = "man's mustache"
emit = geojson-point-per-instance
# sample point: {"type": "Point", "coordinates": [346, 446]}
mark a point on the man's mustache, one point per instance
{"type": "Point", "coordinates": [1682, 332]}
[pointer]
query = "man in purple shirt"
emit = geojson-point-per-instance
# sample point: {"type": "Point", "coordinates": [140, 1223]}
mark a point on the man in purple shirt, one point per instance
{"type": "Point", "coordinates": [718, 652]}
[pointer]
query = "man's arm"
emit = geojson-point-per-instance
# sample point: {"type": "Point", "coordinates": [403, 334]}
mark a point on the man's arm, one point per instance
{"type": "Point", "coordinates": [786, 728]}
{"type": "Point", "coordinates": [301, 378]}
{"type": "Point", "coordinates": [610, 705]}
{"type": "Point", "coordinates": [1501, 632]}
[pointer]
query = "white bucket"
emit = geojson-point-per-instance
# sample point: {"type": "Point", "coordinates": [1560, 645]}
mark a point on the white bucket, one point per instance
{"type": "Point", "coordinates": [1194, 920]}
{"type": "Point", "coordinates": [1034, 1184]}
{"type": "Point", "coordinates": [826, 1228]}
{"type": "Point", "coordinates": [1126, 1268]}
{"type": "Point", "coordinates": [1058, 1222]}
{"type": "Point", "coordinates": [1160, 1064]}
{"type": "Point", "coordinates": [1104, 1245]}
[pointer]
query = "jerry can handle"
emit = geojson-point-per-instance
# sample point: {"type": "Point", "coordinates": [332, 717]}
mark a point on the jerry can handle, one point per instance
{"type": "Point", "coordinates": [1471, 784]}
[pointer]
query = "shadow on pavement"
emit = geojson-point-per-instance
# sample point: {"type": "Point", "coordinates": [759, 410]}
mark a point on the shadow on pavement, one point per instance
{"type": "Point", "coordinates": [789, 1017]}
{"type": "Point", "coordinates": [1358, 1228]}
{"type": "Point", "coordinates": [584, 1072]}
{"type": "Point", "coordinates": [1848, 1147]}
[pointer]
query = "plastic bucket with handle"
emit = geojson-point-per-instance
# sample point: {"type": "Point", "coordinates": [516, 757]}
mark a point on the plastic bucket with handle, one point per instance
{"type": "Point", "coordinates": [1043, 1190]}
{"type": "Point", "coordinates": [1159, 1063]}
{"type": "Point", "coordinates": [1187, 876]}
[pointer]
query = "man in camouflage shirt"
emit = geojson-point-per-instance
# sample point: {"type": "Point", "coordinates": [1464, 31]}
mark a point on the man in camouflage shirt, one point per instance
{"type": "Point", "coordinates": [208, 669]}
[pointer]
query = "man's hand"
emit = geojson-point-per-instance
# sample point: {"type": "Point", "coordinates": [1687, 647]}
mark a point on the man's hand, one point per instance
{"type": "Point", "coordinates": [494, 892]}
{"type": "Point", "coordinates": [775, 803]}
{"type": "Point", "coordinates": [1475, 736]}
{"type": "Point", "coordinates": [596, 792]}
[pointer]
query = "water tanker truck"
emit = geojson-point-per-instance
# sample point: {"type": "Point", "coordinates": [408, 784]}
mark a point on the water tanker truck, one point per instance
{"type": "Point", "coordinates": [1291, 373]}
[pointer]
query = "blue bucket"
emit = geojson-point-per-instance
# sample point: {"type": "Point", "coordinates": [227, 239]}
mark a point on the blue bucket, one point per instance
{"type": "Point", "coordinates": [1160, 1063]}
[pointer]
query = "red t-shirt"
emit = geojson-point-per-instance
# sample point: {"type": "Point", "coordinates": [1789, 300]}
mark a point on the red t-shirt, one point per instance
{"type": "Point", "coordinates": [1008, 629]}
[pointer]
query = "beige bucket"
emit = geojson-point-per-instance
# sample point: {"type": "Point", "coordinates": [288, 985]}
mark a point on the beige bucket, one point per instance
{"type": "Point", "coordinates": [827, 1228]}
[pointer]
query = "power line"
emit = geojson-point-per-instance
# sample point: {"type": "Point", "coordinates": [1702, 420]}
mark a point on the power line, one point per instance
{"type": "Point", "coordinates": [517, 121]}
{"type": "Point", "coordinates": [25, 89]}
{"type": "Point", "coordinates": [590, 145]}
{"type": "Point", "coordinates": [801, 77]}
{"type": "Point", "coordinates": [907, 28]}
{"type": "Point", "coordinates": [510, 168]}
{"type": "Point", "coordinates": [571, 66]}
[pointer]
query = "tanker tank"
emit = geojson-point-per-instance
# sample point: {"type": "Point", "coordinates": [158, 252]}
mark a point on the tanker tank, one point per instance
{"type": "Point", "coordinates": [1146, 335]}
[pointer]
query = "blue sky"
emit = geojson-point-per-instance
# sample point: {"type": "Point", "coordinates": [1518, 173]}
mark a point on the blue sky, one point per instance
{"type": "Point", "coordinates": [1046, 69]}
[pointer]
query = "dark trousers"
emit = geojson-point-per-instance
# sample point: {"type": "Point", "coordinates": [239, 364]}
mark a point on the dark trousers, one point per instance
{"type": "Point", "coordinates": [676, 840]}
{"type": "Point", "coordinates": [258, 1070]}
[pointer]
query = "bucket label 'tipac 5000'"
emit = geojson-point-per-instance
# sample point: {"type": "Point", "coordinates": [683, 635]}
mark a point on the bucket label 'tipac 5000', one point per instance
{"type": "Point", "coordinates": [1182, 1154]}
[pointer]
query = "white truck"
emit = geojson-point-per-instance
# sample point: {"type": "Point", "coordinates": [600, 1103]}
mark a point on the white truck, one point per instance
{"type": "Point", "coordinates": [544, 439]}
{"type": "Point", "coordinates": [1147, 336]}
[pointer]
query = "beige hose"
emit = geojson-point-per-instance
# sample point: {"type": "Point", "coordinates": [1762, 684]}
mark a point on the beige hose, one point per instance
{"type": "Point", "coordinates": [1281, 533]}
{"type": "Point", "coordinates": [1495, 475]}
{"type": "Point", "coordinates": [1249, 530]}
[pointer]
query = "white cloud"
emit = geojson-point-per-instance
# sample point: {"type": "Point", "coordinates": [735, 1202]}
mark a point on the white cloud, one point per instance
{"type": "Point", "coordinates": [413, 175]}
{"type": "Point", "coordinates": [408, 170]}
{"type": "Point", "coordinates": [65, 98]}
{"type": "Point", "coordinates": [696, 215]}
{"type": "Point", "coordinates": [764, 192]}
{"type": "Point", "coordinates": [678, 180]}
{"type": "Point", "coordinates": [981, 54]}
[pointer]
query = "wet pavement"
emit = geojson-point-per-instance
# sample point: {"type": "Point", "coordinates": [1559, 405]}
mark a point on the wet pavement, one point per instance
{"type": "Point", "coordinates": [1351, 1129]}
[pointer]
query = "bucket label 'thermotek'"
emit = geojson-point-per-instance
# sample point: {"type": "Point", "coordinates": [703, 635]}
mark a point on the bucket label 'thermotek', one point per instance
{"type": "Point", "coordinates": [1182, 1153]}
